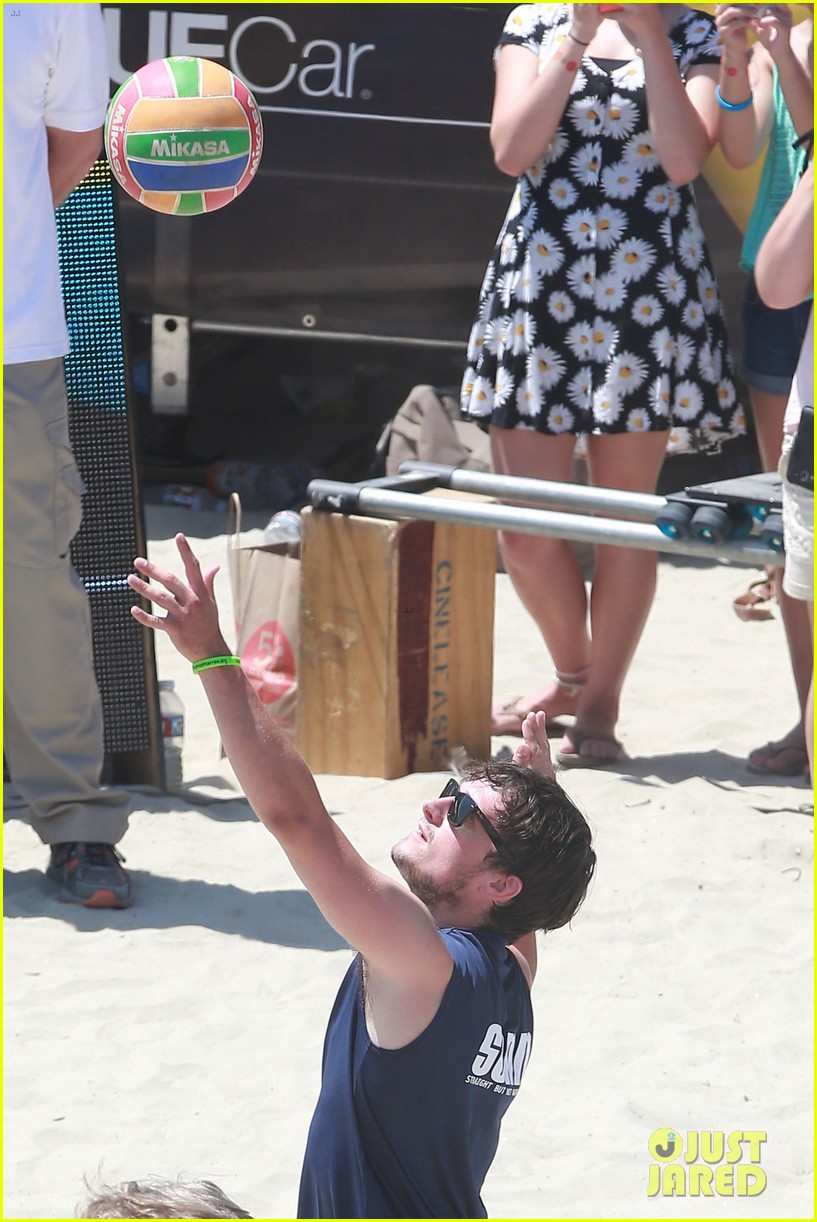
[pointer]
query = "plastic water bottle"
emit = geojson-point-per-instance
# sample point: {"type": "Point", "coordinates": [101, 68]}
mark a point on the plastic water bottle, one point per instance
{"type": "Point", "coordinates": [283, 527]}
{"type": "Point", "coordinates": [172, 711]}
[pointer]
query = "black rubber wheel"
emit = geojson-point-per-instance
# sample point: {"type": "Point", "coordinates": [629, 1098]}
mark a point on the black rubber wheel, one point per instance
{"type": "Point", "coordinates": [711, 524]}
{"type": "Point", "coordinates": [674, 519]}
{"type": "Point", "coordinates": [772, 532]}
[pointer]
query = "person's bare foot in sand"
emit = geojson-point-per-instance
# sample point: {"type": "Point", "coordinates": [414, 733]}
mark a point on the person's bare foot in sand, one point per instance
{"type": "Point", "coordinates": [787, 756]}
{"type": "Point", "coordinates": [559, 699]}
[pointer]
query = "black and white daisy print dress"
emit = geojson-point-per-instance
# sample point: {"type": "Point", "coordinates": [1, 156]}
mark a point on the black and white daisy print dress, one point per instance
{"type": "Point", "coordinates": [599, 312]}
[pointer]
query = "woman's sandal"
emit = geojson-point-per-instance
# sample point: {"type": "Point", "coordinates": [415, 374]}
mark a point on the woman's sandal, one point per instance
{"type": "Point", "coordinates": [575, 759]}
{"type": "Point", "coordinates": [751, 605]}
{"type": "Point", "coordinates": [570, 682]}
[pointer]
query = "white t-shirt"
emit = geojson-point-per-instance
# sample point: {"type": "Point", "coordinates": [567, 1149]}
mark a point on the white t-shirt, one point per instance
{"type": "Point", "coordinates": [55, 74]}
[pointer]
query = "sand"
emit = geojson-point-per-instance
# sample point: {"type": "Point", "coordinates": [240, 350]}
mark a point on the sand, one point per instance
{"type": "Point", "coordinates": [183, 1036]}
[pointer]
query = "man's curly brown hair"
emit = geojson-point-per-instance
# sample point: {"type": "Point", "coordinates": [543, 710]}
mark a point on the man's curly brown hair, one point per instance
{"type": "Point", "coordinates": [549, 840]}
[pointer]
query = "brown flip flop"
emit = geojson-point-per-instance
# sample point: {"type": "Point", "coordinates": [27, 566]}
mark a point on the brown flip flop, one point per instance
{"type": "Point", "coordinates": [571, 682]}
{"type": "Point", "coordinates": [751, 605]}
{"type": "Point", "coordinates": [574, 759]}
{"type": "Point", "coordinates": [511, 710]}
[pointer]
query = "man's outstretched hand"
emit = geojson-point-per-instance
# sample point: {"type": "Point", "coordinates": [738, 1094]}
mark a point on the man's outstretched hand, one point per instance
{"type": "Point", "coordinates": [534, 750]}
{"type": "Point", "coordinates": [190, 612]}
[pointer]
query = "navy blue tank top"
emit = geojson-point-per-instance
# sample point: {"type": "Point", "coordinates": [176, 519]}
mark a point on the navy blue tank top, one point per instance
{"type": "Point", "coordinates": [411, 1132]}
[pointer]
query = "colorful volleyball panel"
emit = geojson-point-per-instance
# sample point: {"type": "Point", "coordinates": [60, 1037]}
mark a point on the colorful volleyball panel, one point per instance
{"type": "Point", "coordinates": [183, 135]}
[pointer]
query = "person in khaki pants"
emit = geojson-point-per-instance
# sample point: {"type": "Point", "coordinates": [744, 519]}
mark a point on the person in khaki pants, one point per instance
{"type": "Point", "coordinates": [56, 90]}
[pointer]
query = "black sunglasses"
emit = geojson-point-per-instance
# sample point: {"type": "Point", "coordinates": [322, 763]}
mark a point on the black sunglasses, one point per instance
{"type": "Point", "coordinates": [462, 807]}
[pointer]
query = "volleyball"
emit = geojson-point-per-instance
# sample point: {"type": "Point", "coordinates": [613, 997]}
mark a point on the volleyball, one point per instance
{"type": "Point", "coordinates": [183, 135]}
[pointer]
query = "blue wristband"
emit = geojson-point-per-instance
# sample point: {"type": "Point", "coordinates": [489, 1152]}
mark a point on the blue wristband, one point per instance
{"type": "Point", "coordinates": [732, 105]}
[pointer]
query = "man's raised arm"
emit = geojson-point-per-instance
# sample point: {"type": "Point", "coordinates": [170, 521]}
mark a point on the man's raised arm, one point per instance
{"type": "Point", "coordinates": [393, 930]}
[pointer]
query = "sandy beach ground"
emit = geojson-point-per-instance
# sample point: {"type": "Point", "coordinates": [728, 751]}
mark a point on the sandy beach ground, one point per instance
{"type": "Point", "coordinates": [183, 1036]}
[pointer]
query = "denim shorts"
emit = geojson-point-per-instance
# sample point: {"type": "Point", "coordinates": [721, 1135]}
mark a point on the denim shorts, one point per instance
{"type": "Point", "coordinates": [772, 340]}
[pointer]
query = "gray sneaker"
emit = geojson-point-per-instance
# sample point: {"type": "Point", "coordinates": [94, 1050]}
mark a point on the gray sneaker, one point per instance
{"type": "Point", "coordinates": [89, 874]}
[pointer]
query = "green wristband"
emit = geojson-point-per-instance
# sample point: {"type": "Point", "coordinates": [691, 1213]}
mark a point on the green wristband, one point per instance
{"type": "Point", "coordinates": [207, 663]}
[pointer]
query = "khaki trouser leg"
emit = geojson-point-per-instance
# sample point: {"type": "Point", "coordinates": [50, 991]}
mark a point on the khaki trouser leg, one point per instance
{"type": "Point", "coordinates": [52, 708]}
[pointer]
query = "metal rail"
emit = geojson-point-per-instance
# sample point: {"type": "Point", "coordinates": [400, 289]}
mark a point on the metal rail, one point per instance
{"type": "Point", "coordinates": [309, 330]}
{"type": "Point", "coordinates": [638, 505]}
{"type": "Point", "coordinates": [397, 498]}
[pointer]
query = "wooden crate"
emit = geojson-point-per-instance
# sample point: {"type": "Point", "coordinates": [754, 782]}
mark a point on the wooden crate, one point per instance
{"type": "Point", "coordinates": [396, 644]}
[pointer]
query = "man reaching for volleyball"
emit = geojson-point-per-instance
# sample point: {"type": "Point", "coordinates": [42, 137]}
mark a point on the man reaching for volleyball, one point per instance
{"type": "Point", "coordinates": [432, 1027]}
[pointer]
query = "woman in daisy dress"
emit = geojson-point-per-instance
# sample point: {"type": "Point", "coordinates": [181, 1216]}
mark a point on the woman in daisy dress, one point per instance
{"type": "Point", "coordinates": [599, 315]}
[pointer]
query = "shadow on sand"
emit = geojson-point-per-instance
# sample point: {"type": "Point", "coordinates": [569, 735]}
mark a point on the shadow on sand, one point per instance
{"type": "Point", "coordinates": [283, 918]}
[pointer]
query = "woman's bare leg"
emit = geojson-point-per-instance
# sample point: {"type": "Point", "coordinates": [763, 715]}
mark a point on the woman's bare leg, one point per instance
{"type": "Point", "coordinates": [809, 709]}
{"type": "Point", "coordinates": [545, 574]}
{"type": "Point", "coordinates": [768, 411]}
{"type": "Point", "coordinates": [622, 594]}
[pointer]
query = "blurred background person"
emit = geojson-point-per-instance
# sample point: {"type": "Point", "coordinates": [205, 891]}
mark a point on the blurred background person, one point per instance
{"type": "Point", "coordinates": [785, 274]}
{"type": "Point", "coordinates": [766, 97]}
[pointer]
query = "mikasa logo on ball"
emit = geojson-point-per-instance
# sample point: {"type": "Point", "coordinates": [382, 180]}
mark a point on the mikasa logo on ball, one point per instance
{"type": "Point", "coordinates": [189, 148]}
{"type": "Point", "coordinates": [115, 140]}
{"type": "Point", "coordinates": [183, 135]}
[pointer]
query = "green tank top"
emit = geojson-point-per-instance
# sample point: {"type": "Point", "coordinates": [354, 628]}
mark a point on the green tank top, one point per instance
{"type": "Point", "coordinates": [782, 168]}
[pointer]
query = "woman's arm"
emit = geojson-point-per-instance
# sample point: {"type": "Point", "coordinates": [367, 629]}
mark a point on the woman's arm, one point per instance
{"type": "Point", "coordinates": [750, 74]}
{"type": "Point", "coordinates": [683, 116]}
{"type": "Point", "coordinates": [528, 104]}
{"type": "Point", "coordinates": [784, 269]}
{"type": "Point", "coordinates": [744, 74]}
{"type": "Point", "coordinates": [796, 79]}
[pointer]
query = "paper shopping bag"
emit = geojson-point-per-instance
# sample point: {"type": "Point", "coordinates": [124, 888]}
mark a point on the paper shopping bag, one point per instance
{"type": "Point", "coordinates": [266, 586]}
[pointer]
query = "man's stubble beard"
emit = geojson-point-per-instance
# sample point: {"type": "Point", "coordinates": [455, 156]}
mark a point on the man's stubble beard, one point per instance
{"type": "Point", "coordinates": [429, 892]}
